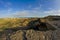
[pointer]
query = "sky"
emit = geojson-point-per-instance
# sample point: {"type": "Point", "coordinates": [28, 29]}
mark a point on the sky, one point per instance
{"type": "Point", "coordinates": [29, 8]}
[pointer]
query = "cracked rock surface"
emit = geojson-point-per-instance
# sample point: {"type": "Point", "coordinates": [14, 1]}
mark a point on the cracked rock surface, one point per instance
{"type": "Point", "coordinates": [31, 35]}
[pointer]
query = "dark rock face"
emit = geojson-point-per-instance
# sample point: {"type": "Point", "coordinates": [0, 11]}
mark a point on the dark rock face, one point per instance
{"type": "Point", "coordinates": [37, 25]}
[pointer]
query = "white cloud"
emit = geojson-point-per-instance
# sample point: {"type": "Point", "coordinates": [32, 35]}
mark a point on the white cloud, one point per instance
{"type": "Point", "coordinates": [52, 12]}
{"type": "Point", "coordinates": [35, 13]}
{"type": "Point", "coordinates": [29, 13]}
{"type": "Point", "coordinates": [22, 13]}
{"type": "Point", "coordinates": [6, 13]}
{"type": "Point", "coordinates": [57, 4]}
{"type": "Point", "coordinates": [6, 4]}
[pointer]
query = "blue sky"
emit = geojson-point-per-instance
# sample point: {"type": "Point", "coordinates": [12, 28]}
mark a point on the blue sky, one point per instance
{"type": "Point", "coordinates": [29, 8]}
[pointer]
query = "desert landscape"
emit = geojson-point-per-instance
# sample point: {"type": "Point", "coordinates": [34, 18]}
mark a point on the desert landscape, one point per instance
{"type": "Point", "coordinates": [30, 29]}
{"type": "Point", "coordinates": [29, 19]}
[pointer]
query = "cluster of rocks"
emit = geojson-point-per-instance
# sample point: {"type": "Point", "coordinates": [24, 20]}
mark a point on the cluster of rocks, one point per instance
{"type": "Point", "coordinates": [31, 35]}
{"type": "Point", "coordinates": [32, 32]}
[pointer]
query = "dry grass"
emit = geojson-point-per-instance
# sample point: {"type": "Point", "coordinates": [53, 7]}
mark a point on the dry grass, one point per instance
{"type": "Point", "coordinates": [14, 22]}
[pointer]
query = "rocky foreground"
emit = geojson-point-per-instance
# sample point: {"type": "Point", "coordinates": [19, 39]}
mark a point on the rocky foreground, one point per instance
{"type": "Point", "coordinates": [31, 34]}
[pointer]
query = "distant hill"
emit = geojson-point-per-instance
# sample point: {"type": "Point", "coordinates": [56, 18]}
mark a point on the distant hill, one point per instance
{"type": "Point", "coordinates": [52, 17]}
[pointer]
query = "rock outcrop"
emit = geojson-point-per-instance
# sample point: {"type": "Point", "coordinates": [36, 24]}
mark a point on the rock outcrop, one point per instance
{"type": "Point", "coordinates": [28, 33]}
{"type": "Point", "coordinates": [31, 35]}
